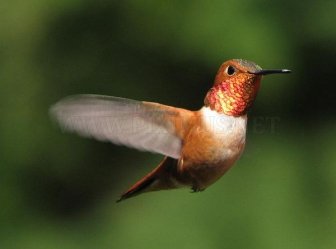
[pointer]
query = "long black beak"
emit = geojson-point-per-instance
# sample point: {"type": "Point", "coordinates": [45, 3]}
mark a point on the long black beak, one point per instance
{"type": "Point", "coordinates": [270, 71]}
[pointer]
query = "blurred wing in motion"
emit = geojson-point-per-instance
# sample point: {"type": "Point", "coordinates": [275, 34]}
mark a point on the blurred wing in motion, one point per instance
{"type": "Point", "coordinates": [141, 125]}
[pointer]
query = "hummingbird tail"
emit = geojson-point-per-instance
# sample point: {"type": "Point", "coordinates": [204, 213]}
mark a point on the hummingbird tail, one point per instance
{"type": "Point", "coordinates": [158, 179]}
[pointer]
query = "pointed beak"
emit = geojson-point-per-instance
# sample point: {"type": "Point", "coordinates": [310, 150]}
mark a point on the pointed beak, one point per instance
{"type": "Point", "coordinates": [270, 71]}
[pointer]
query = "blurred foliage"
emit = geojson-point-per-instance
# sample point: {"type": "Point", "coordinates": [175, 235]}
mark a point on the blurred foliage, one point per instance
{"type": "Point", "coordinates": [58, 190]}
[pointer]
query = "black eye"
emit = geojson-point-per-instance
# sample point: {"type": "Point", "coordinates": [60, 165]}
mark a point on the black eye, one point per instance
{"type": "Point", "coordinates": [230, 70]}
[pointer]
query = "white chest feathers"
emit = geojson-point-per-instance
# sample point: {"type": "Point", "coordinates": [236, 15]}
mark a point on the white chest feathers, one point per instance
{"type": "Point", "coordinates": [231, 131]}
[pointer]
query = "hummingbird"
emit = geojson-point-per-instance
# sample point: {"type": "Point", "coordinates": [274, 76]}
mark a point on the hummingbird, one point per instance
{"type": "Point", "coordinates": [198, 146]}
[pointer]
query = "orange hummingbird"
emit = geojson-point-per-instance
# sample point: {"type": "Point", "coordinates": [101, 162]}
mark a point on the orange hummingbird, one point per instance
{"type": "Point", "coordinates": [199, 146]}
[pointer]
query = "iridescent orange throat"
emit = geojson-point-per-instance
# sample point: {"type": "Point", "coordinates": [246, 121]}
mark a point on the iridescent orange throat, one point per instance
{"type": "Point", "coordinates": [234, 96]}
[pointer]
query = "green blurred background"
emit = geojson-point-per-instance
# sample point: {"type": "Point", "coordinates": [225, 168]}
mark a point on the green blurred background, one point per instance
{"type": "Point", "coordinates": [58, 190]}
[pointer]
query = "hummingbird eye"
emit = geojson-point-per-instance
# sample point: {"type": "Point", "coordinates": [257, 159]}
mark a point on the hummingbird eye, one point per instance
{"type": "Point", "coordinates": [230, 70]}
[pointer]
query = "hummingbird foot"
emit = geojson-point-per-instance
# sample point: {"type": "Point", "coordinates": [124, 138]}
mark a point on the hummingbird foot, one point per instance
{"type": "Point", "coordinates": [195, 189]}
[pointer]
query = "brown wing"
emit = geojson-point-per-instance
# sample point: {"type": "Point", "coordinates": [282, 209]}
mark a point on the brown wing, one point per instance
{"type": "Point", "coordinates": [141, 125]}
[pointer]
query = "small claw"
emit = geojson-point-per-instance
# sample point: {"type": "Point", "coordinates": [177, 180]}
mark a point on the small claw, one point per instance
{"type": "Point", "coordinates": [196, 189]}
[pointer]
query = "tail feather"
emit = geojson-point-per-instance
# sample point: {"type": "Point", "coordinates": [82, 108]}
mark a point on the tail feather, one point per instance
{"type": "Point", "coordinates": [155, 180]}
{"type": "Point", "coordinates": [138, 187]}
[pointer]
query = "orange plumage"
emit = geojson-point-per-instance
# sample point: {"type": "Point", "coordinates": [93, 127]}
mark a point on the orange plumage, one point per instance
{"type": "Point", "coordinates": [199, 146]}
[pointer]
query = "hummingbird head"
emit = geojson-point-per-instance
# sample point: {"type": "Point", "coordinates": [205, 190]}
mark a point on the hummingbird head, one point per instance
{"type": "Point", "coordinates": [236, 85]}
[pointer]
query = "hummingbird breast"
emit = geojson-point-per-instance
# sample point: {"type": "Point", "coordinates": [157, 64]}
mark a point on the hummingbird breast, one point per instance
{"type": "Point", "coordinates": [227, 132]}
{"type": "Point", "coordinates": [211, 147]}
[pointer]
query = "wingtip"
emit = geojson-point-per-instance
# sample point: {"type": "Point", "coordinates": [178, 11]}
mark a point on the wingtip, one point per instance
{"type": "Point", "coordinates": [53, 113]}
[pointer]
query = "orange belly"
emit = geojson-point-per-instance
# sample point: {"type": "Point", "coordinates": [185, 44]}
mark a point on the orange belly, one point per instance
{"type": "Point", "coordinates": [207, 154]}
